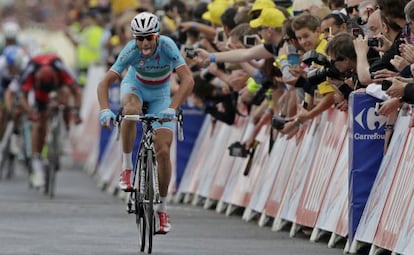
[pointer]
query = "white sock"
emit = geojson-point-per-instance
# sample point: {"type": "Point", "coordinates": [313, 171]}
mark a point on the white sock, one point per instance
{"type": "Point", "coordinates": [162, 207]}
{"type": "Point", "coordinates": [127, 161]}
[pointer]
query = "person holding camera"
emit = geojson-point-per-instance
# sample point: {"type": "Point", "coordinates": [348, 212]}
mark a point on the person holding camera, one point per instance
{"type": "Point", "coordinates": [393, 20]}
{"type": "Point", "coordinates": [308, 33]}
{"type": "Point", "coordinates": [270, 23]}
{"type": "Point", "coordinates": [343, 56]}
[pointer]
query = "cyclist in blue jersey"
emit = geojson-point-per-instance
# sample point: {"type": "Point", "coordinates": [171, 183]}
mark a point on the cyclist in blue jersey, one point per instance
{"type": "Point", "coordinates": [151, 59]}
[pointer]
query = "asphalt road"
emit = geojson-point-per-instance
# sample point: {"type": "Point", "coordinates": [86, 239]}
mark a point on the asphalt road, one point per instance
{"type": "Point", "coordinates": [81, 219]}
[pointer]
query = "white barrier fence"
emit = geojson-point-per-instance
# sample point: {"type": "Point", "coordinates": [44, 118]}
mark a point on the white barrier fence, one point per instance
{"type": "Point", "coordinates": [302, 183]}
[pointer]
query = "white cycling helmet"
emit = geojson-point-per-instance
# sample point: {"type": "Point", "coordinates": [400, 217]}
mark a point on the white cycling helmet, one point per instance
{"type": "Point", "coordinates": [15, 56]}
{"type": "Point", "coordinates": [145, 23]}
{"type": "Point", "coordinates": [10, 29]}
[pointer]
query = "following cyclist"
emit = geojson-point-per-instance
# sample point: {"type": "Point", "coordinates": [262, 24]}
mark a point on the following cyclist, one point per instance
{"type": "Point", "coordinates": [151, 59]}
{"type": "Point", "coordinates": [46, 73]}
{"type": "Point", "coordinates": [12, 62]}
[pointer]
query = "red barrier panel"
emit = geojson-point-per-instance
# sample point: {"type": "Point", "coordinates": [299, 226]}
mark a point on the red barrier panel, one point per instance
{"type": "Point", "coordinates": [199, 155]}
{"type": "Point", "coordinates": [333, 216]}
{"type": "Point", "coordinates": [235, 188]}
{"type": "Point", "coordinates": [215, 156]}
{"type": "Point", "coordinates": [317, 180]}
{"type": "Point", "coordinates": [85, 137]}
{"type": "Point", "coordinates": [300, 170]}
{"type": "Point", "coordinates": [262, 190]}
{"type": "Point", "coordinates": [223, 171]}
{"type": "Point", "coordinates": [398, 199]}
{"type": "Point", "coordinates": [405, 244]}
{"type": "Point", "coordinates": [110, 167]}
{"type": "Point", "coordinates": [288, 155]}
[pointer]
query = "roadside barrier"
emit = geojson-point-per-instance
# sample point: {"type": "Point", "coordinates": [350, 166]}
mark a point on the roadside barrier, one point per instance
{"type": "Point", "coordinates": [302, 184]}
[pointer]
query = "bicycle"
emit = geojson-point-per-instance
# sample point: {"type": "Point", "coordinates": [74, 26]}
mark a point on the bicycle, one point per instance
{"type": "Point", "coordinates": [145, 191]}
{"type": "Point", "coordinates": [53, 145]}
{"type": "Point", "coordinates": [13, 146]}
{"type": "Point", "coordinates": [6, 156]}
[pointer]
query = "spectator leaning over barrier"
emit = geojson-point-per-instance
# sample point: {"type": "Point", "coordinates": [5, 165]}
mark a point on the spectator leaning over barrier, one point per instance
{"type": "Point", "coordinates": [308, 34]}
{"type": "Point", "coordinates": [150, 59]}
{"type": "Point", "coordinates": [392, 15]}
{"type": "Point", "coordinates": [270, 21]}
{"type": "Point", "coordinates": [401, 90]}
{"type": "Point", "coordinates": [342, 55]}
{"type": "Point", "coordinates": [212, 15]}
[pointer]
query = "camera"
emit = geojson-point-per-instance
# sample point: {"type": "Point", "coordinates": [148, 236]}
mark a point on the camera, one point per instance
{"type": "Point", "coordinates": [318, 76]}
{"type": "Point", "coordinates": [190, 53]}
{"type": "Point", "coordinates": [313, 56]}
{"type": "Point", "coordinates": [386, 84]}
{"type": "Point", "coordinates": [374, 42]}
{"type": "Point", "coordinates": [237, 149]}
{"type": "Point", "coordinates": [220, 35]}
{"type": "Point", "coordinates": [278, 122]}
{"type": "Point", "coordinates": [249, 40]}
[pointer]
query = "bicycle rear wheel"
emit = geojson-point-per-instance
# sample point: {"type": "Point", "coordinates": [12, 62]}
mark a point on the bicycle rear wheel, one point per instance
{"type": "Point", "coordinates": [53, 154]}
{"type": "Point", "coordinates": [6, 157]}
{"type": "Point", "coordinates": [149, 199]}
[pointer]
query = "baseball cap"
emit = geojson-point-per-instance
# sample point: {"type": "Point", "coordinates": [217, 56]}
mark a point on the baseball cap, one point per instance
{"type": "Point", "coordinates": [215, 10]}
{"type": "Point", "coordinates": [269, 17]}
{"type": "Point", "coordinates": [261, 4]}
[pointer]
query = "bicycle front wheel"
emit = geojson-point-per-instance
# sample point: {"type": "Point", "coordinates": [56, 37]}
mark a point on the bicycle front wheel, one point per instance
{"type": "Point", "coordinates": [149, 198]}
{"type": "Point", "coordinates": [140, 220]}
{"type": "Point", "coordinates": [53, 154]}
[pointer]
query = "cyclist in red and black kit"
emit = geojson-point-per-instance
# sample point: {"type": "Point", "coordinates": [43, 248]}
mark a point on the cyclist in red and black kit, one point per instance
{"type": "Point", "coordinates": [46, 73]}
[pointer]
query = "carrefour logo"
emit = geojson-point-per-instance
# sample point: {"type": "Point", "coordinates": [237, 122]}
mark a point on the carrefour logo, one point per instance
{"type": "Point", "coordinates": [369, 121]}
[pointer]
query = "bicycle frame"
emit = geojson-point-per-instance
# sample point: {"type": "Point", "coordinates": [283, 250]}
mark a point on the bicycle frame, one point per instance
{"type": "Point", "coordinates": [145, 193]}
{"type": "Point", "coordinates": [55, 118]}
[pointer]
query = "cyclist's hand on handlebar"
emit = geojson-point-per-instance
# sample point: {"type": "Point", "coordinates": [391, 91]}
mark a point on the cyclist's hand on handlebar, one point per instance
{"type": "Point", "coordinates": [106, 115]}
{"type": "Point", "coordinates": [167, 114]}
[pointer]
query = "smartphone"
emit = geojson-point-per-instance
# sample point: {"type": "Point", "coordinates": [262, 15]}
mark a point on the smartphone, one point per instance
{"type": "Point", "coordinates": [190, 53]}
{"type": "Point", "coordinates": [293, 59]}
{"type": "Point", "coordinates": [220, 35]}
{"type": "Point", "coordinates": [249, 40]}
{"type": "Point", "coordinates": [374, 42]}
{"type": "Point", "coordinates": [386, 84]}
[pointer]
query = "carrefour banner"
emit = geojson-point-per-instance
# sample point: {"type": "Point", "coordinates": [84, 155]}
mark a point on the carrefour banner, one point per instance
{"type": "Point", "coordinates": [366, 148]}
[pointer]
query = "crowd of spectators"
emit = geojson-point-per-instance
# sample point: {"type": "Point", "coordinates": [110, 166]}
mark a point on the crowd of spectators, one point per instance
{"type": "Point", "coordinates": [282, 62]}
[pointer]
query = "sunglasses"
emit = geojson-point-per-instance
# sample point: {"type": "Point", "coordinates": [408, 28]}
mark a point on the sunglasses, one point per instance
{"type": "Point", "coordinates": [350, 9]}
{"type": "Point", "coordinates": [147, 37]}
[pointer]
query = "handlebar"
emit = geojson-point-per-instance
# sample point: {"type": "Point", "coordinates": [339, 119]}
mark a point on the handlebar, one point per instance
{"type": "Point", "coordinates": [149, 118]}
